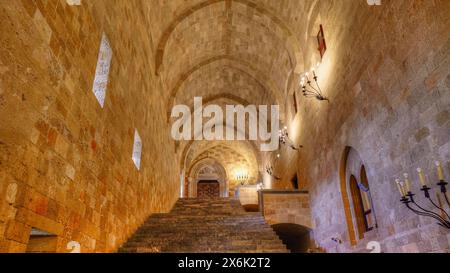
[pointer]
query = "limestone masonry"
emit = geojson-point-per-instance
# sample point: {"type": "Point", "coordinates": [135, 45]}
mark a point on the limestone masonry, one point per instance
{"type": "Point", "coordinates": [88, 163]}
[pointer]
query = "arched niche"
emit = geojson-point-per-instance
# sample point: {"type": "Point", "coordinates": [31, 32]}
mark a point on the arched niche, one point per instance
{"type": "Point", "coordinates": [355, 190]}
{"type": "Point", "coordinates": [207, 170]}
{"type": "Point", "coordinates": [297, 238]}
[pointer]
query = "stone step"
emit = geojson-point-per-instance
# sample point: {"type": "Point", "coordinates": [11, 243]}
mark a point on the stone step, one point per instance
{"type": "Point", "coordinates": [205, 225]}
{"type": "Point", "coordinates": [172, 215]}
{"type": "Point", "coordinates": [189, 246]}
{"type": "Point", "coordinates": [206, 220]}
{"type": "Point", "coordinates": [234, 234]}
{"type": "Point", "coordinates": [203, 249]}
{"type": "Point", "coordinates": [195, 226]}
{"type": "Point", "coordinates": [218, 241]}
{"type": "Point", "coordinates": [247, 244]}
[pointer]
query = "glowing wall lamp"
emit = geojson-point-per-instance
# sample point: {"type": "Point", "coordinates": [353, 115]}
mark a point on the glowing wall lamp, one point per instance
{"type": "Point", "coordinates": [285, 140]}
{"type": "Point", "coordinates": [242, 177]}
{"type": "Point", "coordinates": [309, 91]}
{"type": "Point", "coordinates": [442, 216]}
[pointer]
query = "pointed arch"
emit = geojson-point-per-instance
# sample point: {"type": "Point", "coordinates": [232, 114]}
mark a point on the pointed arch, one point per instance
{"type": "Point", "coordinates": [292, 45]}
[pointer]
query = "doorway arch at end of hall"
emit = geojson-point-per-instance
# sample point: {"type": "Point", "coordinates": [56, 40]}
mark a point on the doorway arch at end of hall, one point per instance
{"type": "Point", "coordinates": [207, 170]}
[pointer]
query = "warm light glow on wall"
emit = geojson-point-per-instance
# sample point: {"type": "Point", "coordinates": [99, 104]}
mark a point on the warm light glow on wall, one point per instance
{"type": "Point", "coordinates": [325, 69]}
{"type": "Point", "coordinates": [240, 172]}
{"type": "Point", "coordinates": [294, 131]}
{"type": "Point", "coordinates": [267, 181]}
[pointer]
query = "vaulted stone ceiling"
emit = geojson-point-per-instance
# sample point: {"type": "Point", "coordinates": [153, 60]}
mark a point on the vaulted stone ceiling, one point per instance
{"type": "Point", "coordinates": [233, 157]}
{"type": "Point", "coordinates": [227, 52]}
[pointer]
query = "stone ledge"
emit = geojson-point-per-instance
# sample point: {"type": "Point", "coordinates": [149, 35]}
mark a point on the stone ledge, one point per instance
{"type": "Point", "coordinates": [275, 191]}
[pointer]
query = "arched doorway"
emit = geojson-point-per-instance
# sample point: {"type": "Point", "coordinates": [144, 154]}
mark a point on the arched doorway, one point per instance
{"type": "Point", "coordinates": [297, 238]}
{"type": "Point", "coordinates": [207, 174]}
{"type": "Point", "coordinates": [208, 189]}
{"type": "Point", "coordinates": [358, 207]}
{"type": "Point", "coordinates": [356, 196]}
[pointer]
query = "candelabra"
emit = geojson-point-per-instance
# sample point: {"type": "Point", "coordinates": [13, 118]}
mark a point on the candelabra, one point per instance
{"type": "Point", "coordinates": [269, 170]}
{"type": "Point", "coordinates": [336, 240]}
{"type": "Point", "coordinates": [242, 178]}
{"type": "Point", "coordinates": [309, 90]}
{"type": "Point", "coordinates": [410, 202]}
{"type": "Point", "coordinates": [285, 140]}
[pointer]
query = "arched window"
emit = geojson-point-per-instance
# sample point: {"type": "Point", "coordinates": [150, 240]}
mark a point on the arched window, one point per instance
{"type": "Point", "coordinates": [356, 197]}
{"type": "Point", "coordinates": [369, 214]}
{"type": "Point", "coordinates": [137, 150]}
{"type": "Point", "coordinates": [358, 207]}
{"type": "Point", "coordinates": [362, 203]}
{"type": "Point", "coordinates": [102, 70]}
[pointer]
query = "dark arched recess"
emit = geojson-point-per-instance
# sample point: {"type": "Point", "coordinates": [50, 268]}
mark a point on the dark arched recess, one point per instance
{"type": "Point", "coordinates": [297, 238]}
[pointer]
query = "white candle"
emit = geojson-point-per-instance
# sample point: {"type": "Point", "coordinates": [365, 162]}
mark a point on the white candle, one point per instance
{"type": "Point", "coordinates": [399, 186]}
{"type": "Point", "coordinates": [423, 181]}
{"type": "Point", "coordinates": [440, 171]}
{"type": "Point", "coordinates": [407, 183]}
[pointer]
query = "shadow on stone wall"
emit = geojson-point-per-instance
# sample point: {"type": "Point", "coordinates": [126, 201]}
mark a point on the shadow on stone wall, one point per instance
{"type": "Point", "coordinates": [297, 238]}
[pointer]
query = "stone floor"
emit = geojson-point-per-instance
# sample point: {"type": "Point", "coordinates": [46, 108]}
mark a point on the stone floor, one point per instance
{"type": "Point", "coordinates": [205, 225]}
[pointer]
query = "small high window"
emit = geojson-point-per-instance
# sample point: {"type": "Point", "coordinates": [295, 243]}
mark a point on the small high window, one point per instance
{"type": "Point", "coordinates": [41, 242]}
{"type": "Point", "coordinates": [102, 71]}
{"type": "Point", "coordinates": [137, 150]}
{"type": "Point", "coordinates": [362, 204]}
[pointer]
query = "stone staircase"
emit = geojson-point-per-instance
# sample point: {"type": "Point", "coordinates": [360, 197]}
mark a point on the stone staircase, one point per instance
{"type": "Point", "coordinates": [205, 225]}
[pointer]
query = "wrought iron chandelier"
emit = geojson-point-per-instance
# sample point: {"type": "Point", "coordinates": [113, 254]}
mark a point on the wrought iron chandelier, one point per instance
{"type": "Point", "coordinates": [242, 178]}
{"type": "Point", "coordinates": [408, 197]}
{"type": "Point", "coordinates": [285, 140]}
{"type": "Point", "coordinates": [269, 170]}
{"type": "Point", "coordinates": [309, 91]}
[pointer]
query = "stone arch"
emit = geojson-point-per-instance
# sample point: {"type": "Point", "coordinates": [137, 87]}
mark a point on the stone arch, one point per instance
{"type": "Point", "coordinates": [345, 198]}
{"type": "Point", "coordinates": [297, 238]}
{"type": "Point", "coordinates": [193, 176]}
{"type": "Point", "coordinates": [357, 206]}
{"type": "Point", "coordinates": [292, 45]}
{"type": "Point", "coordinates": [268, 84]}
{"type": "Point", "coordinates": [352, 168]}
{"type": "Point", "coordinates": [233, 157]}
{"type": "Point", "coordinates": [188, 146]}
{"type": "Point", "coordinates": [312, 23]}
{"type": "Point", "coordinates": [365, 181]}
{"type": "Point", "coordinates": [231, 97]}
{"type": "Point", "coordinates": [252, 144]}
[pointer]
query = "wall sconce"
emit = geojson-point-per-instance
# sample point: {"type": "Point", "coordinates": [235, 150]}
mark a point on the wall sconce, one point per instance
{"type": "Point", "coordinates": [336, 240]}
{"type": "Point", "coordinates": [269, 170]}
{"type": "Point", "coordinates": [285, 140]}
{"type": "Point", "coordinates": [242, 178]}
{"type": "Point", "coordinates": [408, 197]}
{"type": "Point", "coordinates": [309, 91]}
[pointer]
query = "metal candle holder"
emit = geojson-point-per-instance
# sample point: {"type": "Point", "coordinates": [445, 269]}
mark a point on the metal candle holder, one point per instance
{"type": "Point", "coordinates": [269, 170]}
{"type": "Point", "coordinates": [309, 90]}
{"type": "Point", "coordinates": [242, 179]}
{"type": "Point", "coordinates": [285, 140]}
{"type": "Point", "coordinates": [443, 221]}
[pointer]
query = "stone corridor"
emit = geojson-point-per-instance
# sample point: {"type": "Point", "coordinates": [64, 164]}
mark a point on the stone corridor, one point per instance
{"type": "Point", "coordinates": [98, 152]}
{"type": "Point", "coordinates": [205, 225]}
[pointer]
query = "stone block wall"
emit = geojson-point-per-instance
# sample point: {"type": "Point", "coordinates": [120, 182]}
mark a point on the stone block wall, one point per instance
{"type": "Point", "coordinates": [387, 74]}
{"type": "Point", "coordinates": [281, 207]}
{"type": "Point", "coordinates": [248, 194]}
{"type": "Point", "coordinates": [65, 162]}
